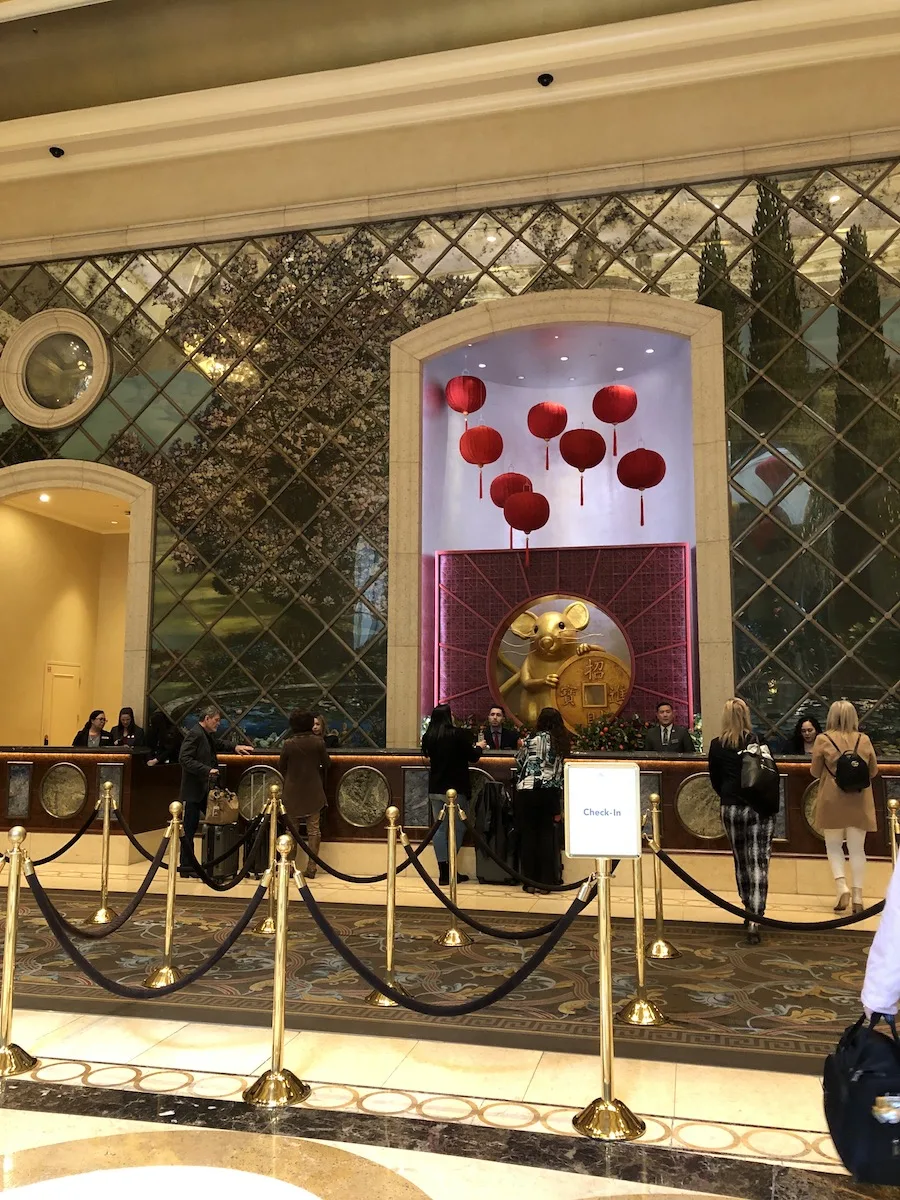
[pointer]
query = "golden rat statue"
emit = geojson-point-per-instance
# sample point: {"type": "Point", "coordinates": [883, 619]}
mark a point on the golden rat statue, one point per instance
{"type": "Point", "coordinates": [554, 641]}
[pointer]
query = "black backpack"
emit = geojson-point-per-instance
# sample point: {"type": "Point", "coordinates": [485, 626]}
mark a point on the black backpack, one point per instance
{"type": "Point", "coordinates": [862, 1101]}
{"type": "Point", "coordinates": [851, 773]}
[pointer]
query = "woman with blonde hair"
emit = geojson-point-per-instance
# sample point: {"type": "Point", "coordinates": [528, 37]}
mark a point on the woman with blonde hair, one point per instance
{"type": "Point", "coordinates": [749, 830]}
{"type": "Point", "coordinates": [843, 761]}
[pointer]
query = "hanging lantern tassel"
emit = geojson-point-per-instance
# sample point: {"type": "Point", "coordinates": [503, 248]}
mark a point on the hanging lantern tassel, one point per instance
{"type": "Point", "coordinates": [527, 511]}
{"type": "Point", "coordinates": [480, 446]}
{"type": "Point", "coordinates": [547, 421]}
{"type": "Point", "coordinates": [582, 449]}
{"type": "Point", "coordinates": [465, 394]}
{"type": "Point", "coordinates": [581, 488]}
{"type": "Point", "coordinates": [527, 553]}
{"type": "Point", "coordinates": [505, 485]}
{"type": "Point", "coordinates": [641, 469]}
{"type": "Point", "coordinates": [614, 404]}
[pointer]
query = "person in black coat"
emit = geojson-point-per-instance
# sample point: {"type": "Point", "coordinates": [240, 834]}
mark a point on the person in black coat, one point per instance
{"type": "Point", "coordinates": [164, 739]}
{"type": "Point", "coordinates": [125, 732]}
{"type": "Point", "coordinates": [199, 773]}
{"type": "Point", "coordinates": [749, 831]}
{"type": "Point", "coordinates": [93, 733]}
{"type": "Point", "coordinates": [667, 737]}
{"type": "Point", "coordinates": [494, 736]}
{"type": "Point", "coordinates": [450, 751]}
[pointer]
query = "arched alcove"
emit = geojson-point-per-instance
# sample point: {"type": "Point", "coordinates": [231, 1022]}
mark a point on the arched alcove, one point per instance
{"type": "Point", "coordinates": [702, 327]}
{"type": "Point", "coordinates": [61, 474]}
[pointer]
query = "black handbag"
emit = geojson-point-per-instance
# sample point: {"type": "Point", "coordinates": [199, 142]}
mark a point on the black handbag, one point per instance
{"type": "Point", "coordinates": [760, 784]}
{"type": "Point", "coordinates": [862, 1101]}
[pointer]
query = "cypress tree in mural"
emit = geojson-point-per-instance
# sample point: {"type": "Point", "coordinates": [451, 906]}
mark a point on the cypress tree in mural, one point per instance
{"type": "Point", "coordinates": [862, 356]}
{"type": "Point", "coordinates": [775, 324]}
{"type": "Point", "coordinates": [715, 290]}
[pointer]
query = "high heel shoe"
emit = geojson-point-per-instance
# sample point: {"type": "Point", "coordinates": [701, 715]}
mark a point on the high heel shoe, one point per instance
{"type": "Point", "coordinates": [754, 937]}
{"type": "Point", "coordinates": [843, 902]}
{"type": "Point", "coordinates": [857, 900]}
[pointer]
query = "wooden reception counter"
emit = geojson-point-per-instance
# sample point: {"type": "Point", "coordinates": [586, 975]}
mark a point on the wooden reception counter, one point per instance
{"type": "Point", "coordinates": [51, 791]}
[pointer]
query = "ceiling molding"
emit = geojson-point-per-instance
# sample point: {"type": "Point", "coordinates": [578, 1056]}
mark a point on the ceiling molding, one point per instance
{"type": "Point", "coordinates": [18, 10]}
{"type": "Point", "coordinates": [635, 56]}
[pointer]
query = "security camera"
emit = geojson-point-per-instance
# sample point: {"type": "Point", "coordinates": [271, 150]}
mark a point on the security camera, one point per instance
{"type": "Point", "coordinates": [57, 151]}
{"type": "Point", "coordinates": [545, 80]}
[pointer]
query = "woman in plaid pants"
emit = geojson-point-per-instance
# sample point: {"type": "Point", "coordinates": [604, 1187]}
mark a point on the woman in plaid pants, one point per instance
{"type": "Point", "coordinates": [749, 832]}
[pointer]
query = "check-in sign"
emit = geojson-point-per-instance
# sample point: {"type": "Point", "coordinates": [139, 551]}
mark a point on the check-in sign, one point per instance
{"type": "Point", "coordinates": [603, 809]}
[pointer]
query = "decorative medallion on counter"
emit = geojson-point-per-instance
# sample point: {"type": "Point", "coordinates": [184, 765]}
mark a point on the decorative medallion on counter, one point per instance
{"type": "Point", "coordinates": [699, 809]}
{"type": "Point", "coordinates": [63, 790]}
{"type": "Point", "coordinates": [18, 795]}
{"type": "Point", "coordinates": [415, 798]}
{"type": "Point", "coordinates": [808, 805]}
{"type": "Point", "coordinates": [111, 773]}
{"type": "Point", "coordinates": [363, 797]}
{"type": "Point", "coordinates": [253, 790]}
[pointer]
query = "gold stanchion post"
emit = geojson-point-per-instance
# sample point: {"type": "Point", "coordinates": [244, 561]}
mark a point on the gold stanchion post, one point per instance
{"type": "Point", "coordinates": [659, 949]}
{"type": "Point", "coordinates": [13, 1059]}
{"type": "Point", "coordinates": [606, 1118]}
{"type": "Point", "coordinates": [267, 924]}
{"type": "Point", "coordinates": [165, 973]}
{"type": "Point", "coordinates": [375, 998]}
{"type": "Point", "coordinates": [278, 1087]}
{"type": "Point", "coordinates": [894, 826]}
{"type": "Point", "coordinates": [640, 1010]}
{"type": "Point", "coordinates": [452, 936]}
{"type": "Point", "coordinates": [104, 913]}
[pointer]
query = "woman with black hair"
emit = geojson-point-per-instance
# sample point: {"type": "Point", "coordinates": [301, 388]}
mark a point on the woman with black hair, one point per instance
{"type": "Point", "coordinates": [449, 751]}
{"type": "Point", "coordinates": [803, 738]}
{"type": "Point", "coordinates": [125, 732]}
{"type": "Point", "coordinates": [93, 733]}
{"type": "Point", "coordinates": [538, 803]}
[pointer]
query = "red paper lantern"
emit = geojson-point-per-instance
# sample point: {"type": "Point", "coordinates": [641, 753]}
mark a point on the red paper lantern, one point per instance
{"type": "Point", "coordinates": [774, 472]}
{"type": "Point", "coordinates": [641, 469]}
{"type": "Point", "coordinates": [582, 449]}
{"type": "Point", "coordinates": [465, 394]}
{"type": "Point", "coordinates": [613, 405]}
{"type": "Point", "coordinates": [547, 421]}
{"type": "Point", "coordinates": [527, 511]}
{"type": "Point", "coordinates": [506, 485]}
{"type": "Point", "coordinates": [480, 446]}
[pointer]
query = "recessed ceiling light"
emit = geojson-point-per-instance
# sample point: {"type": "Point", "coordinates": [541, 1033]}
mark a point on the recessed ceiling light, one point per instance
{"type": "Point", "coordinates": [482, 365]}
{"type": "Point", "coordinates": [44, 498]}
{"type": "Point", "coordinates": [571, 379]}
{"type": "Point", "coordinates": [620, 368]}
{"type": "Point", "coordinates": [834, 199]}
{"type": "Point", "coordinates": [491, 237]}
{"type": "Point", "coordinates": [114, 522]}
{"type": "Point", "coordinates": [556, 337]}
{"type": "Point", "coordinates": [520, 376]}
{"type": "Point", "coordinates": [564, 358]}
{"type": "Point", "coordinates": [469, 344]}
{"type": "Point", "coordinates": [649, 350]}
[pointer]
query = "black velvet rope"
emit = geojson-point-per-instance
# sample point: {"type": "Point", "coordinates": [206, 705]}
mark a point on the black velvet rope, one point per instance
{"type": "Point", "coordinates": [304, 846]}
{"type": "Point", "coordinates": [92, 817]}
{"type": "Point", "coordinates": [102, 931]}
{"type": "Point", "coordinates": [757, 918]}
{"type": "Point", "coordinates": [441, 1010]}
{"type": "Point", "coordinates": [523, 879]}
{"type": "Point", "coordinates": [262, 831]}
{"type": "Point", "coordinates": [126, 829]}
{"type": "Point", "coordinates": [489, 930]}
{"type": "Point", "coordinates": [250, 832]}
{"type": "Point", "coordinates": [125, 991]}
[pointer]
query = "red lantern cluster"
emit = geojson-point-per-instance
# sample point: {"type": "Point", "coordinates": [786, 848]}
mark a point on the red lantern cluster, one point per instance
{"type": "Point", "coordinates": [527, 511]}
{"type": "Point", "coordinates": [506, 485]}
{"type": "Point", "coordinates": [640, 469]}
{"type": "Point", "coordinates": [465, 394]}
{"type": "Point", "coordinates": [613, 405]}
{"type": "Point", "coordinates": [480, 446]}
{"type": "Point", "coordinates": [547, 421]}
{"type": "Point", "coordinates": [582, 449]}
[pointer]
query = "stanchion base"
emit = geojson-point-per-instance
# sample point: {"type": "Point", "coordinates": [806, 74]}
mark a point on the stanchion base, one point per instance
{"type": "Point", "coordinates": [661, 950]}
{"type": "Point", "coordinates": [103, 916]}
{"type": "Point", "coordinates": [641, 1011]}
{"type": "Point", "coordinates": [376, 999]}
{"type": "Point", "coordinates": [277, 1089]}
{"type": "Point", "coordinates": [608, 1121]}
{"type": "Point", "coordinates": [15, 1061]}
{"type": "Point", "coordinates": [453, 938]}
{"type": "Point", "coordinates": [266, 926]}
{"type": "Point", "coordinates": [162, 977]}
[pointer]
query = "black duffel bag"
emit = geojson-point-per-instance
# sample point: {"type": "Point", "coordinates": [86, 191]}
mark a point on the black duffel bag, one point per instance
{"type": "Point", "coordinates": [862, 1101]}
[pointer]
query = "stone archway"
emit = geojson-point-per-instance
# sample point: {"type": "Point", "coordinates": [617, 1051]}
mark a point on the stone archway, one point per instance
{"type": "Point", "coordinates": [60, 474]}
{"type": "Point", "coordinates": [702, 327]}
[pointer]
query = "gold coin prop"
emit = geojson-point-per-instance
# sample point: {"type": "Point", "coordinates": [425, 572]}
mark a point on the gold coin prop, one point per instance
{"type": "Point", "coordinates": [699, 808]}
{"type": "Point", "coordinates": [63, 790]}
{"type": "Point", "coordinates": [591, 686]}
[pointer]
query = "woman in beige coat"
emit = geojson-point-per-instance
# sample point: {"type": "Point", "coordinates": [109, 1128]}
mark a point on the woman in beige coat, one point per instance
{"type": "Point", "coordinates": [844, 816]}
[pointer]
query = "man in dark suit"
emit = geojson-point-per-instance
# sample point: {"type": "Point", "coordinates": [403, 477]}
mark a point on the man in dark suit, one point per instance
{"type": "Point", "coordinates": [199, 773]}
{"type": "Point", "coordinates": [494, 736]}
{"type": "Point", "coordinates": [665, 736]}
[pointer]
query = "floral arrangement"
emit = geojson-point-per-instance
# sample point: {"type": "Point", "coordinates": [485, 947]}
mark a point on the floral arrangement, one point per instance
{"type": "Point", "coordinates": [697, 733]}
{"type": "Point", "coordinates": [611, 733]}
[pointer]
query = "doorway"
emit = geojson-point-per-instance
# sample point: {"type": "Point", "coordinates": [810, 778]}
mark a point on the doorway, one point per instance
{"type": "Point", "coordinates": [61, 707]}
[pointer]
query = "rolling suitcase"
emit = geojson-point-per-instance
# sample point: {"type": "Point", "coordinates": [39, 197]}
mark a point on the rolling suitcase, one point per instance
{"type": "Point", "coordinates": [217, 839]}
{"type": "Point", "coordinates": [493, 820]}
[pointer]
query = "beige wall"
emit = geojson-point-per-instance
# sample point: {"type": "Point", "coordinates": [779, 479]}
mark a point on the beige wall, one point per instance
{"type": "Point", "coordinates": [50, 610]}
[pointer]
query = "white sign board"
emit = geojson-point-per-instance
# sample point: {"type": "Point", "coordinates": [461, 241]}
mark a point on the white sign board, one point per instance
{"type": "Point", "coordinates": [603, 809]}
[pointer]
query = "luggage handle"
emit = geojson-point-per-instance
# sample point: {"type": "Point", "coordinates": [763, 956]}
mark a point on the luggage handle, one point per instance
{"type": "Point", "coordinates": [889, 1019]}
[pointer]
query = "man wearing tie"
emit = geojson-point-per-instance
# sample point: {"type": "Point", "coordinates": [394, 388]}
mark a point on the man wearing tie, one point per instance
{"type": "Point", "coordinates": [494, 736]}
{"type": "Point", "coordinates": [665, 736]}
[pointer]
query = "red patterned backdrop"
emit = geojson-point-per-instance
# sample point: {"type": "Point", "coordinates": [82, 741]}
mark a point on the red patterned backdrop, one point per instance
{"type": "Point", "coordinates": [645, 588]}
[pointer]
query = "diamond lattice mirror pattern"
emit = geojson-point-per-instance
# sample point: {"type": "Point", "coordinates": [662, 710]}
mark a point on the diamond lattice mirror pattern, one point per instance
{"type": "Point", "coordinates": [250, 384]}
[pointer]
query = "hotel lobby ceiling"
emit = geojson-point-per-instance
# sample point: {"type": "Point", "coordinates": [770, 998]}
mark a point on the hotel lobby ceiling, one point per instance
{"type": "Point", "coordinates": [49, 62]}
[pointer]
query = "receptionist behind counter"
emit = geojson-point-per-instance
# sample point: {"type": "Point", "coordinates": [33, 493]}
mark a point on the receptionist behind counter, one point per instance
{"type": "Point", "coordinates": [94, 733]}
